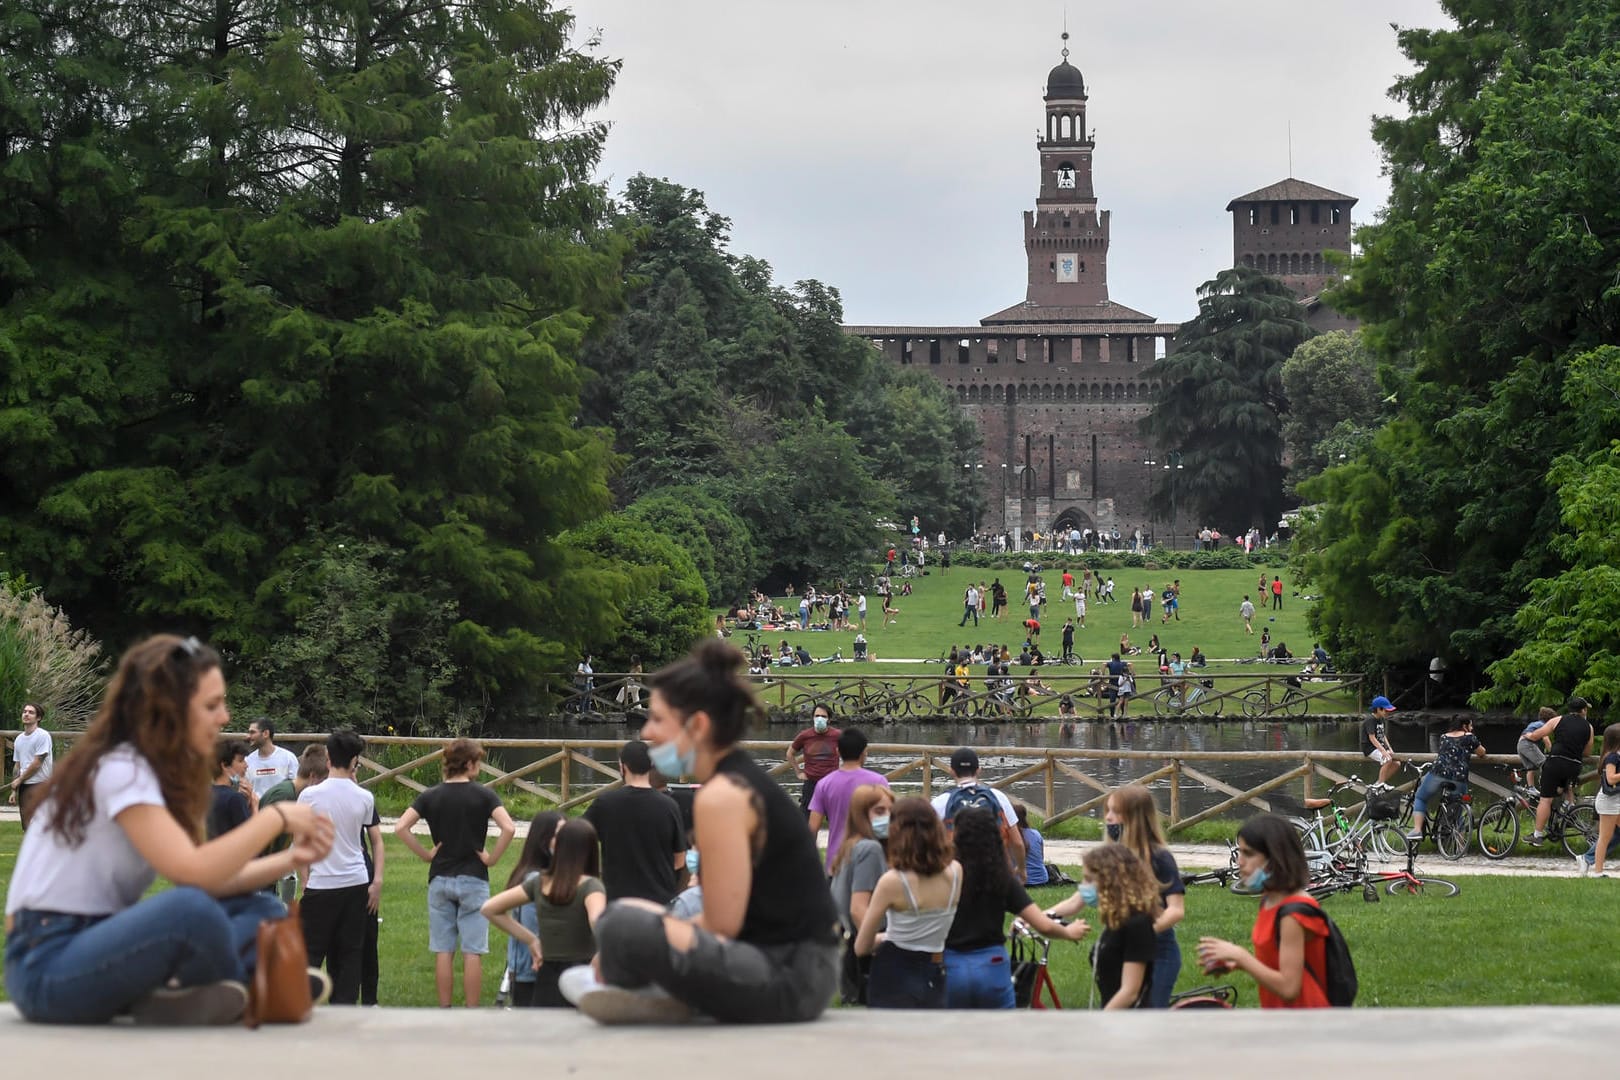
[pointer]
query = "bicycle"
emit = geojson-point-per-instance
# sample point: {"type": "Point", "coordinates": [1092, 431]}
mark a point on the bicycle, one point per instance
{"type": "Point", "coordinates": [1345, 877]}
{"type": "Point", "coordinates": [1029, 952]}
{"type": "Point", "coordinates": [1294, 702]}
{"type": "Point", "coordinates": [1450, 825]}
{"type": "Point", "coordinates": [1574, 824]}
{"type": "Point", "coordinates": [1223, 876]}
{"type": "Point", "coordinates": [1197, 698]}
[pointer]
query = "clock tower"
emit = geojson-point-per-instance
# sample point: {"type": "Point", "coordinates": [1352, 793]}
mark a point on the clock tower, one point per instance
{"type": "Point", "coordinates": [1065, 237]}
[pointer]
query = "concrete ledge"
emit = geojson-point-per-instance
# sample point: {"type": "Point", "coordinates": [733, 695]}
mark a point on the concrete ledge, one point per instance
{"type": "Point", "coordinates": [439, 1043]}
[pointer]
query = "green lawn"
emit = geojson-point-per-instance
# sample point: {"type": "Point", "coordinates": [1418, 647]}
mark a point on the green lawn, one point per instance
{"type": "Point", "coordinates": [927, 628]}
{"type": "Point", "coordinates": [1504, 941]}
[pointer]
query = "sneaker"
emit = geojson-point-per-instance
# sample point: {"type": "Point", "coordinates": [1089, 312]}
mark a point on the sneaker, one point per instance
{"type": "Point", "coordinates": [576, 982]}
{"type": "Point", "coordinates": [1535, 840]}
{"type": "Point", "coordinates": [649, 1005]}
{"type": "Point", "coordinates": [320, 986]}
{"type": "Point", "coordinates": [209, 1004]}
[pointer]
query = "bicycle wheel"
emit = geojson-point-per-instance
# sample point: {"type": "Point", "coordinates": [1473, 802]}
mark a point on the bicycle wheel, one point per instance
{"type": "Point", "coordinates": [1210, 703]}
{"type": "Point", "coordinates": [1254, 703]}
{"type": "Point", "coordinates": [1580, 829]}
{"type": "Point", "coordinates": [1386, 844]}
{"type": "Point", "coordinates": [1498, 831]}
{"type": "Point", "coordinates": [1423, 886]}
{"type": "Point", "coordinates": [1163, 702]}
{"type": "Point", "coordinates": [1294, 704]}
{"type": "Point", "coordinates": [1451, 828]}
{"type": "Point", "coordinates": [802, 705]}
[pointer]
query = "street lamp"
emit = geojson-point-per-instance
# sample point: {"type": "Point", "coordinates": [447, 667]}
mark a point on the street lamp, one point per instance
{"type": "Point", "coordinates": [1173, 466]}
{"type": "Point", "coordinates": [1151, 464]}
{"type": "Point", "coordinates": [973, 489]}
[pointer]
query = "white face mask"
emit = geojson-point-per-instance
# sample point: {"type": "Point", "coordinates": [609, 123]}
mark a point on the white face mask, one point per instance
{"type": "Point", "coordinates": [821, 723]}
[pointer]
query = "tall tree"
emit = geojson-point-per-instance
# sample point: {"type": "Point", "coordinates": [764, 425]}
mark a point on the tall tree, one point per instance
{"type": "Point", "coordinates": [1220, 400]}
{"type": "Point", "coordinates": [1331, 384]}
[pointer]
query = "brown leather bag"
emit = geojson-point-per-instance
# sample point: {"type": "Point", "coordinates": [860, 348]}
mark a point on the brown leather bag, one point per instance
{"type": "Point", "coordinates": [280, 992]}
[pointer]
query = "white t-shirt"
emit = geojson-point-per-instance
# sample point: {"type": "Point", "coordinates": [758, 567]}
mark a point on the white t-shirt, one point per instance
{"type": "Point", "coordinates": [350, 807]}
{"type": "Point", "coordinates": [1246, 610]}
{"type": "Point", "coordinates": [28, 747]}
{"type": "Point", "coordinates": [104, 874]}
{"type": "Point", "coordinates": [265, 773]}
{"type": "Point", "coordinates": [1007, 810]}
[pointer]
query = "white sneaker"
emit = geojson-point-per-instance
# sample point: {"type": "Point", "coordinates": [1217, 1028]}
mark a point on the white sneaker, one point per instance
{"type": "Point", "coordinates": [648, 1005]}
{"type": "Point", "coordinates": [576, 982]}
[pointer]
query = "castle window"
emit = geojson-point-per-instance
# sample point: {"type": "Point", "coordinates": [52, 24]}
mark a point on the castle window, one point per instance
{"type": "Point", "coordinates": [1254, 215]}
{"type": "Point", "coordinates": [1275, 211]}
{"type": "Point", "coordinates": [1065, 176]}
{"type": "Point", "coordinates": [1316, 213]}
{"type": "Point", "coordinates": [933, 351]}
{"type": "Point", "coordinates": [962, 351]}
{"type": "Point", "coordinates": [1333, 215]}
{"type": "Point", "coordinates": [1293, 215]}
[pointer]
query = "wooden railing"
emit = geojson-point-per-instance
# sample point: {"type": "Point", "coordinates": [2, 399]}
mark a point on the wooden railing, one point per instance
{"type": "Point", "coordinates": [920, 770]}
{"type": "Point", "coordinates": [1276, 691]}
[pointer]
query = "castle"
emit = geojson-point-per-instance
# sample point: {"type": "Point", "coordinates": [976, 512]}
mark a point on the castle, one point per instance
{"type": "Point", "coordinates": [1055, 382]}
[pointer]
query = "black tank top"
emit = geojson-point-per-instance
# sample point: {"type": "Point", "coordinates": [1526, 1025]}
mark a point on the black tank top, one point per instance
{"type": "Point", "coordinates": [1570, 737]}
{"type": "Point", "coordinates": [789, 899]}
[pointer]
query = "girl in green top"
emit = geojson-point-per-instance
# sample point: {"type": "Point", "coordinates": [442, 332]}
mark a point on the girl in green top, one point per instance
{"type": "Point", "coordinates": [568, 899]}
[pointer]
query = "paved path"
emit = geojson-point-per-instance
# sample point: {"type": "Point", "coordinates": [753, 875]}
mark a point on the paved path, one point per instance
{"type": "Point", "coordinates": [1210, 856]}
{"type": "Point", "coordinates": [1485, 1042]}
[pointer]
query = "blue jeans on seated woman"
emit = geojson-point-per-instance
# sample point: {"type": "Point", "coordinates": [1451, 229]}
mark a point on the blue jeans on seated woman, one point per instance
{"type": "Point", "coordinates": [87, 969]}
{"type": "Point", "coordinates": [978, 979]}
{"type": "Point", "coordinates": [1431, 786]}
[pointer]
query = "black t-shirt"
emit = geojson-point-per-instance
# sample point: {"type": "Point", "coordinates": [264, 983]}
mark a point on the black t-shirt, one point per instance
{"type": "Point", "coordinates": [458, 817]}
{"type": "Point", "coordinates": [641, 832]}
{"type": "Point", "coordinates": [1167, 873]}
{"type": "Point", "coordinates": [1132, 943]}
{"type": "Point", "coordinates": [980, 917]}
{"type": "Point", "coordinates": [1570, 737]}
{"type": "Point", "coordinates": [228, 809]}
{"type": "Point", "coordinates": [1373, 725]}
{"type": "Point", "coordinates": [788, 899]}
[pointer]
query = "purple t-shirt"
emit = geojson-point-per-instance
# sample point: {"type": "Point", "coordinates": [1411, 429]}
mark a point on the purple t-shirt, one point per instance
{"type": "Point", "coordinates": [831, 800]}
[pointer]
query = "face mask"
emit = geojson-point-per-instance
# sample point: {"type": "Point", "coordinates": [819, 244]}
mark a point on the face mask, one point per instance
{"type": "Point", "coordinates": [691, 860]}
{"type": "Point", "coordinates": [1114, 830]}
{"type": "Point", "coordinates": [1088, 894]}
{"type": "Point", "coordinates": [821, 723]}
{"type": "Point", "coordinates": [1257, 880]}
{"type": "Point", "coordinates": [880, 827]}
{"type": "Point", "coordinates": [668, 759]}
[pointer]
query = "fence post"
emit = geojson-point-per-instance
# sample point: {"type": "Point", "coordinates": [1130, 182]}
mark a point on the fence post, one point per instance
{"type": "Point", "coordinates": [928, 774]}
{"type": "Point", "coordinates": [1175, 791]}
{"type": "Point", "coordinates": [1051, 793]}
{"type": "Point", "coordinates": [567, 761]}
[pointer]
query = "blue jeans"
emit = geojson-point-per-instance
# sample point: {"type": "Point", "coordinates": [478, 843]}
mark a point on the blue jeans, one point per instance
{"type": "Point", "coordinates": [87, 969]}
{"type": "Point", "coordinates": [1166, 969]}
{"type": "Point", "coordinates": [1433, 783]}
{"type": "Point", "coordinates": [455, 915]}
{"type": "Point", "coordinates": [978, 979]}
{"type": "Point", "coordinates": [902, 979]}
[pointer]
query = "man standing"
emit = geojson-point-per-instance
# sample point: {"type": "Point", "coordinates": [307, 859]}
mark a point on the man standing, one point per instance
{"type": "Point", "coordinates": [233, 799]}
{"type": "Point", "coordinates": [268, 764]}
{"type": "Point", "coordinates": [1375, 739]}
{"type": "Point", "coordinates": [32, 758]}
{"type": "Point", "coordinates": [1068, 640]}
{"type": "Point", "coordinates": [830, 804]}
{"type": "Point", "coordinates": [818, 745]}
{"type": "Point", "coordinates": [860, 611]}
{"type": "Point", "coordinates": [1276, 593]}
{"type": "Point", "coordinates": [1571, 734]}
{"type": "Point", "coordinates": [1246, 609]}
{"type": "Point", "coordinates": [970, 605]}
{"type": "Point", "coordinates": [335, 889]}
{"type": "Point", "coordinates": [970, 791]}
{"type": "Point", "coordinates": [458, 811]}
{"type": "Point", "coordinates": [643, 837]}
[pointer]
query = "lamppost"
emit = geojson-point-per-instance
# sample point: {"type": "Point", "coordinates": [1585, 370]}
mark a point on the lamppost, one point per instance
{"type": "Point", "coordinates": [1173, 466]}
{"type": "Point", "coordinates": [1151, 465]}
{"type": "Point", "coordinates": [973, 491]}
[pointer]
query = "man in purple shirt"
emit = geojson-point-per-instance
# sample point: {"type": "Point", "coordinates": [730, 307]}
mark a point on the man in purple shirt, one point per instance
{"type": "Point", "coordinates": [830, 801]}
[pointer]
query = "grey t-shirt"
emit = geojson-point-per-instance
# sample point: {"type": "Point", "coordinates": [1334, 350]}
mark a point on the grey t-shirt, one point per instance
{"type": "Point", "coordinates": [858, 873]}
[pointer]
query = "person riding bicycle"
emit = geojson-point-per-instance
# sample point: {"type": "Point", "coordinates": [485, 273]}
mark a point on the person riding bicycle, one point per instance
{"type": "Point", "coordinates": [1178, 675]}
{"type": "Point", "coordinates": [1450, 771]}
{"type": "Point", "coordinates": [1571, 742]}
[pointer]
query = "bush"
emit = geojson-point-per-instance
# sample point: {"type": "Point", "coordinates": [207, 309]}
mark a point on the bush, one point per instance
{"type": "Point", "coordinates": [44, 660]}
{"type": "Point", "coordinates": [1226, 558]}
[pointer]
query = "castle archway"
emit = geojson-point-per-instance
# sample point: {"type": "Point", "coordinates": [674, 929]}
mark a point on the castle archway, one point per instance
{"type": "Point", "coordinates": [1073, 518]}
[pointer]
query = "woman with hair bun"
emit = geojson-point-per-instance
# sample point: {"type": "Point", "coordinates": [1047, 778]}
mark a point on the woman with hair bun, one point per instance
{"type": "Point", "coordinates": [128, 805]}
{"type": "Point", "coordinates": [764, 949]}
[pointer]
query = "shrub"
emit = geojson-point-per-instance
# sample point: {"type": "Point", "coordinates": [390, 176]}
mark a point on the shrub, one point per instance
{"type": "Point", "coordinates": [43, 659]}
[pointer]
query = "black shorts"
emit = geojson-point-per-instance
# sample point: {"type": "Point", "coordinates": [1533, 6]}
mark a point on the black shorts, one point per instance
{"type": "Point", "coordinates": [1558, 773]}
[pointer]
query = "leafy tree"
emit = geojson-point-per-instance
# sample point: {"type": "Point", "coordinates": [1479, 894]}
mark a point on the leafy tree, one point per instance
{"type": "Point", "coordinates": [1331, 384]}
{"type": "Point", "coordinates": [1490, 273]}
{"type": "Point", "coordinates": [720, 543]}
{"type": "Point", "coordinates": [1221, 401]}
{"type": "Point", "coordinates": [663, 609]}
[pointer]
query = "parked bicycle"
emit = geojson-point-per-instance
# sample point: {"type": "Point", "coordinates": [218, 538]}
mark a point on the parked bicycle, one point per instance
{"type": "Point", "coordinates": [1191, 696]}
{"type": "Point", "coordinates": [1342, 875]}
{"type": "Point", "coordinates": [1295, 702]}
{"type": "Point", "coordinates": [1450, 824]}
{"type": "Point", "coordinates": [1574, 824]}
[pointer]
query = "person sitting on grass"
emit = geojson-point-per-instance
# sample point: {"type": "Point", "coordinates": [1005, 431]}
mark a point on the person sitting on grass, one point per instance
{"type": "Point", "coordinates": [84, 943]}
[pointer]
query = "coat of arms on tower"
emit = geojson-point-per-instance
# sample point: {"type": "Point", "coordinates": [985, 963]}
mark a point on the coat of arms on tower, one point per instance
{"type": "Point", "coordinates": [1067, 268]}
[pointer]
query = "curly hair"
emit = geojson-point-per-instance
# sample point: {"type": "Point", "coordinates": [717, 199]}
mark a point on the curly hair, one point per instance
{"type": "Point", "coordinates": [858, 822]}
{"type": "Point", "coordinates": [1125, 884]}
{"type": "Point", "coordinates": [147, 705]}
{"type": "Point", "coordinates": [985, 874]}
{"type": "Point", "coordinates": [917, 839]}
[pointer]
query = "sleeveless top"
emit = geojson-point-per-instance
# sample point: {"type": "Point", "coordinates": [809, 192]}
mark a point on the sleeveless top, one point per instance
{"type": "Point", "coordinates": [788, 898]}
{"type": "Point", "coordinates": [923, 931]}
{"type": "Point", "coordinates": [1569, 738]}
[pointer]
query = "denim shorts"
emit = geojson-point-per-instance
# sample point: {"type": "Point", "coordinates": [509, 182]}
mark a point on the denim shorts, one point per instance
{"type": "Point", "coordinates": [454, 916]}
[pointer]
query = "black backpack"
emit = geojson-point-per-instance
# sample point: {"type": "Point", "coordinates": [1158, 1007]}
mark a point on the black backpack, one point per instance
{"type": "Point", "coordinates": [1338, 982]}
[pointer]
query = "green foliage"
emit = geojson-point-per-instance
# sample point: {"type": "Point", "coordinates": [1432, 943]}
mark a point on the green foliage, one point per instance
{"type": "Point", "coordinates": [1490, 273]}
{"type": "Point", "coordinates": [1334, 403]}
{"type": "Point", "coordinates": [721, 544]}
{"type": "Point", "coordinates": [1225, 558]}
{"type": "Point", "coordinates": [44, 660]}
{"type": "Point", "coordinates": [663, 608]}
{"type": "Point", "coordinates": [1221, 402]}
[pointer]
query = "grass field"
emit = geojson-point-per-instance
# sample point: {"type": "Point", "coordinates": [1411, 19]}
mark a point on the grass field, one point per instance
{"type": "Point", "coordinates": [1503, 941]}
{"type": "Point", "coordinates": [927, 627]}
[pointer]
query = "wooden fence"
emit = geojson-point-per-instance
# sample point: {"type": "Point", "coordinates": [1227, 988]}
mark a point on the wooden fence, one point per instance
{"type": "Point", "coordinates": [1274, 691]}
{"type": "Point", "coordinates": [554, 774]}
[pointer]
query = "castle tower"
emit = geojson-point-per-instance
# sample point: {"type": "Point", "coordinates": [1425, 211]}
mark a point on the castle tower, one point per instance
{"type": "Point", "coordinates": [1285, 231]}
{"type": "Point", "coordinates": [1065, 238]}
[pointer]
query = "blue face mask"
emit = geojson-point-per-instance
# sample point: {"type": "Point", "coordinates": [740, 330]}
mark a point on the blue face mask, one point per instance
{"type": "Point", "coordinates": [1257, 880]}
{"type": "Point", "coordinates": [820, 724]}
{"type": "Point", "coordinates": [880, 827]}
{"type": "Point", "coordinates": [691, 860]}
{"type": "Point", "coordinates": [1088, 894]}
{"type": "Point", "coordinates": [668, 759]}
{"type": "Point", "coordinates": [1114, 830]}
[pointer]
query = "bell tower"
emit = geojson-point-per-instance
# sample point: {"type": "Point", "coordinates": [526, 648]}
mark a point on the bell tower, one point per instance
{"type": "Point", "coordinates": [1065, 237]}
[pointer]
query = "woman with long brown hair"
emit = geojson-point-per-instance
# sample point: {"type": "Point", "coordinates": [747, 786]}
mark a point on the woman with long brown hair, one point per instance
{"type": "Point", "coordinates": [918, 895]}
{"type": "Point", "coordinates": [568, 898]}
{"type": "Point", "coordinates": [1132, 818]}
{"type": "Point", "coordinates": [126, 806]}
{"type": "Point", "coordinates": [1126, 896]}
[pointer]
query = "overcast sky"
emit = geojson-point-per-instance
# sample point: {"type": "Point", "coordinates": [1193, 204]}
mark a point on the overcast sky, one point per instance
{"type": "Point", "coordinates": [886, 147]}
